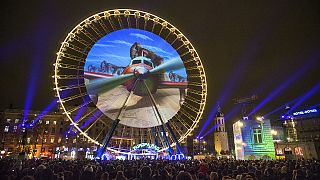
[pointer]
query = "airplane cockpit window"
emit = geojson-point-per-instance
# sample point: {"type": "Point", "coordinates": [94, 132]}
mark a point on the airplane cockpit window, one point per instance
{"type": "Point", "coordinates": [148, 63]}
{"type": "Point", "coordinates": [136, 61]}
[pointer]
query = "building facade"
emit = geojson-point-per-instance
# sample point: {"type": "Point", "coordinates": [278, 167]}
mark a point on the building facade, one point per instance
{"type": "Point", "coordinates": [301, 137]}
{"type": "Point", "coordinates": [50, 134]}
{"type": "Point", "coordinates": [220, 134]}
{"type": "Point", "coordinates": [253, 139]}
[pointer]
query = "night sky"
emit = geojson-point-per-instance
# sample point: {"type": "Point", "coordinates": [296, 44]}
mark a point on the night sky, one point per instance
{"type": "Point", "coordinates": [247, 47]}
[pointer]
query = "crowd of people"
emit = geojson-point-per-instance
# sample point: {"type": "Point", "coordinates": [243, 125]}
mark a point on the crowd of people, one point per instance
{"type": "Point", "coordinates": [58, 169]}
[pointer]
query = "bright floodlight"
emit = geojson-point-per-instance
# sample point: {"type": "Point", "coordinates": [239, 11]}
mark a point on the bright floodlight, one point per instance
{"type": "Point", "coordinates": [274, 132]}
{"type": "Point", "coordinates": [259, 118]}
{"type": "Point", "coordinates": [240, 124]}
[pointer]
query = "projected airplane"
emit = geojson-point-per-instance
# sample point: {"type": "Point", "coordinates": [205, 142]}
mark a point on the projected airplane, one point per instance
{"type": "Point", "coordinates": [145, 69]}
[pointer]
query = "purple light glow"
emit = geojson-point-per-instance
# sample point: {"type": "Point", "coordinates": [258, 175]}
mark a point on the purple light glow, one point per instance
{"type": "Point", "coordinates": [40, 39]}
{"type": "Point", "coordinates": [280, 107]}
{"type": "Point", "coordinates": [97, 114]}
{"type": "Point", "coordinates": [306, 96]}
{"type": "Point", "coordinates": [45, 111]}
{"type": "Point", "coordinates": [296, 75]}
{"type": "Point", "coordinates": [77, 117]}
{"type": "Point", "coordinates": [233, 111]}
{"type": "Point", "coordinates": [237, 73]}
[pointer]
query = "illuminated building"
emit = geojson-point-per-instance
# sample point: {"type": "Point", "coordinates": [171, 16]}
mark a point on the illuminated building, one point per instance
{"type": "Point", "coordinates": [199, 148]}
{"type": "Point", "coordinates": [220, 135]}
{"type": "Point", "coordinates": [253, 139]}
{"type": "Point", "coordinates": [305, 142]}
{"type": "Point", "coordinates": [53, 136]}
{"type": "Point", "coordinates": [35, 141]}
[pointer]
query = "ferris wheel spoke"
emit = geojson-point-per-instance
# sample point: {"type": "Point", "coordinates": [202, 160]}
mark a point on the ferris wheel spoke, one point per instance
{"type": "Point", "coordinates": [92, 124]}
{"type": "Point", "coordinates": [96, 30]}
{"type": "Point", "coordinates": [80, 59]}
{"type": "Point", "coordinates": [74, 97]}
{"type": "Point", "coordinates": [120, 22]}
{"type": "Point", "coordinates": [91, 121]}
{"type": "Point", "coordinates": [92, 38]}
{"type": "Point", "coordinates": [79, 107]}
{"type": "Point", "coordinates": [73, 37]}
{"type": "Point", "coordinates": [128, 21]}
{"type": "Point", "coordinates": [70, 87]}
{"type": "Point", "coordinates": [99, 134]}
{"type": "Point", "coordinates": [190, 107]}
{"type": "Point", "coordinates": [104, 27]}
{"type": "Point", "coordinates": [176, 127]}
{"type": "Point", "coordinates": [185, 124]}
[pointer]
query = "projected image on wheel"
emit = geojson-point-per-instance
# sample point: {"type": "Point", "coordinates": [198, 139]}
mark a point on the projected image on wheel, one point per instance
{"type": "Point", "coordinates": [140, 63]}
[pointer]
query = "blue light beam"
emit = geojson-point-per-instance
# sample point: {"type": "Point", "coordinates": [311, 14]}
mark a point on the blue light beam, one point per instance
{"type": "Point", "coordinates": [285, 85]}
{"type": "Point", "coordinates": [306, 96]}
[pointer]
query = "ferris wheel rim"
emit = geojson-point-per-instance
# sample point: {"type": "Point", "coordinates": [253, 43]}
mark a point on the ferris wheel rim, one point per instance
{"type": "Point", "coordinates": [72, 33]}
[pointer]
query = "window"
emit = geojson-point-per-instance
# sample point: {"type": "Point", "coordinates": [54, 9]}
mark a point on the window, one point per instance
{"type": "Point", "coordinates": [44, 140]}
{"type": "Point", "coordinates": [6, 128]}
{"type": "Point", "coordinates": [60, 131]}
{"type": "Point", "coordinates": [136, 61]}
{"type": "Point", "coordinates": [52, 140]}
{"type": "Point", "coordinates": [8, 120]}
{"type": "Point", "coordinates": [16, 121]}
{"type": "Point", "coordinates": [257, 136]}
{"type": "Point", "coordinates": [147, 63]}
{"type": "Point", "coordinates": [28, 140]}
{"type": "Point", "coordinates": [53, 130]}
{"type": "Point", "coordinates": [54, 122]}
{"type": "Point", "coordinates": [59, 140]}
{"type": "Point", "coordinates": [15, 128]}
{"type": "Point", "coordinates": [47, 122]}
{"type": "Point", "coordinates": [74, 140]}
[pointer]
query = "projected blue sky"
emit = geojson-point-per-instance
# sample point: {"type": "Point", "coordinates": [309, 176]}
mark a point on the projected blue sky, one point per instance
{"type": "Point", "coordinates": [115, 48]}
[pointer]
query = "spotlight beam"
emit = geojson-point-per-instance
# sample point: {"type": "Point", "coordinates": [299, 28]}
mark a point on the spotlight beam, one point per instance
{"type": "Point", "coordinates": [45, 111]}
{"type": "Point", "coordinates": [286, 84]}
{"type": "Point", "coordinates": [306, 96]}
{"type": "Point", "coordinates": [235, 78]}
{"type": "Point", "coordinates": [280, 107]}
{"type": "Point", "coordinates": [233, 111]}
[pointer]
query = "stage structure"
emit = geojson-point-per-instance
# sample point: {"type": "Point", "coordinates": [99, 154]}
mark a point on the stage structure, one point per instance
{"type": "Point", "coordinates": [143, 77]}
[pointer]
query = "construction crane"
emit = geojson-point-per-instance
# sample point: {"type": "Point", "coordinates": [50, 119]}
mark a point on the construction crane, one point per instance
{"type": "Point", "coordinates": [246, 103]}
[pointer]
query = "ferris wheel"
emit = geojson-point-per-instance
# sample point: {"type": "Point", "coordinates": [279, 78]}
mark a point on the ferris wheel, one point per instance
{"type": "Point", "coordinates": [130, 75]}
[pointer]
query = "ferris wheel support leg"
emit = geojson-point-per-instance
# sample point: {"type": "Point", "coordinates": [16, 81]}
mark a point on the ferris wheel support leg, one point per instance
{"type": "Point", "coordinates": [159, 115]}
{"type": "Point", "coordinates": [179, 149]}
{"type": "Point", "coordinates": [115, 123]}
{"type": "Point", "coordinates": [154, 136]}
{"type": "Point", "coordinates": [107, 139]}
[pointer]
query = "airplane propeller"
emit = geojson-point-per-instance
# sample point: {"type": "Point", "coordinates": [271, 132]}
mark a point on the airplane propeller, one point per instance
{"type": "Point", "coordinates": [173, 64]}
{"type": "Point", "coordinates": [101, 85]}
